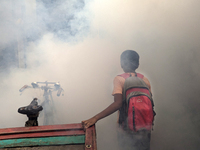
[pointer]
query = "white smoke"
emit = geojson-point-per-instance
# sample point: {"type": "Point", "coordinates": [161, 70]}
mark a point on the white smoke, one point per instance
{"type": "Point", "coordinates": [79, 44]}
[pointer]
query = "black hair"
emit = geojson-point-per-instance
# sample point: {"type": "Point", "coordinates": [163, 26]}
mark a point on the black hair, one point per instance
{"type": "Point", "coordinates": [129, 60]}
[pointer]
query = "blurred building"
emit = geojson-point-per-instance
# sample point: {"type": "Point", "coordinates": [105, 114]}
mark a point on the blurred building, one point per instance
{"type": "Point", "coordinates": [13, 26]}
{"type": "Point", "coordinates": [26, 21]}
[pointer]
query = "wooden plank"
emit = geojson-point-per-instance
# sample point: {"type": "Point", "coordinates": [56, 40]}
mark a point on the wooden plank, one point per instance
{"type": "Point", "coordinates": [90, 138]}
{"type": "Point", "coordinates": [42, 134]}
{"type": "Point", "coordinates": [77, 126]}
{"type": "Point", "coordinates": [59, 147]}
{"type": "Point", "coordinates": [47, 141]}
{"type": "Point", "coordinates": [48, 136]}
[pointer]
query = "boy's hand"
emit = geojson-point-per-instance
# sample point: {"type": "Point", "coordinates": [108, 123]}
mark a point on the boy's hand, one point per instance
{"type": "Point", "coordinates": [87, 123]}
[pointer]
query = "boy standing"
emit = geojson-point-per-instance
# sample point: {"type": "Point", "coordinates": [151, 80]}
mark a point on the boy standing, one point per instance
{"type": "Point", "coordinates": [139, 140]}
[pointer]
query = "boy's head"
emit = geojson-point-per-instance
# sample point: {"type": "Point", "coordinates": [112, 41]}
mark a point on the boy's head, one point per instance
{"type": "Point", "coordinates": [129, 60]}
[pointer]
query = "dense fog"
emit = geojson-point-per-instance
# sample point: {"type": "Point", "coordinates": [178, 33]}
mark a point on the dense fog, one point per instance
{"type": "Point", "coordinates": [78, 43]}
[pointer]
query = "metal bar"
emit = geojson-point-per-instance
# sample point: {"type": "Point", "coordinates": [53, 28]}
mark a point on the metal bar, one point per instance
{"type": "Point", "coordinates": [47, 141]}
{"type": "Point", "coordinates": [90, 139]}
{"type": "Point", "coordinates": [43, 134]}
{"type": "Point", "coordinates": [77, 126]}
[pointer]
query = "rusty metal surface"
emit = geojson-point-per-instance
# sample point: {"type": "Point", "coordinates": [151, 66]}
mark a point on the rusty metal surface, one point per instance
{"type": "Point", "coordinates": [50, 131]}
{"type": "Point", "coordinates": [46, 141]}
{"type": "Point", "coordinates": [42, 134]}
{"type": "Point", "coordinates": [90, 138]}
{"type": "Point", "coordinates": [64, 147]}
{"type": "Point", "coordinates": [41, 131]}
{"type": "Point", "coordinates": [77, 126]}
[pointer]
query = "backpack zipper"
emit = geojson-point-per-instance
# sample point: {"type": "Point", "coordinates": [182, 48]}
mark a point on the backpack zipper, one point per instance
{"type": "Point", "coordinates": [133, 118]}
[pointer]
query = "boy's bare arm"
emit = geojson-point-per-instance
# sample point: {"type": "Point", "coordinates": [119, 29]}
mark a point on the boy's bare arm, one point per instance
{"type": "Point", "coordinates": [106, 112]}
{"type": "Point", "coordinates": [147, 82]}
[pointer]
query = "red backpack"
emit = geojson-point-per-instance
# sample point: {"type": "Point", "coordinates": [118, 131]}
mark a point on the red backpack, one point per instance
{"type": "Point", "coordinates": [137, 111]}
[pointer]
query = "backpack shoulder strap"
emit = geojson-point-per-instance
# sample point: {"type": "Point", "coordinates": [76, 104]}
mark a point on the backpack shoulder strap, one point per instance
{"type": "Point", "coordinates": [135, 82]}
{"type": "Point", "coordinates": [140, 75]}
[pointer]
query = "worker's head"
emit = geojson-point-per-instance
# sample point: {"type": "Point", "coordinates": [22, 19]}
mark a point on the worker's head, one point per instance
{"type": "Point", "coordinates": [129, 60]}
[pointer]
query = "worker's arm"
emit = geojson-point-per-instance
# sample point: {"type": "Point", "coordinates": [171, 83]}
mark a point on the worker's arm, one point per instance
{"type": "Point", "coordinates": [106, 112]}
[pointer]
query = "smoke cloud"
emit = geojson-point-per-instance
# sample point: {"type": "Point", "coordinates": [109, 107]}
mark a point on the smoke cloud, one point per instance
{"type": "Point", "coordinates": [78, 43]}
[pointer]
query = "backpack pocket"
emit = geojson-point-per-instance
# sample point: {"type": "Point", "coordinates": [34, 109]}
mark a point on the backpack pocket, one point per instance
{"type": "Point", "coordinates": [140, 113]}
